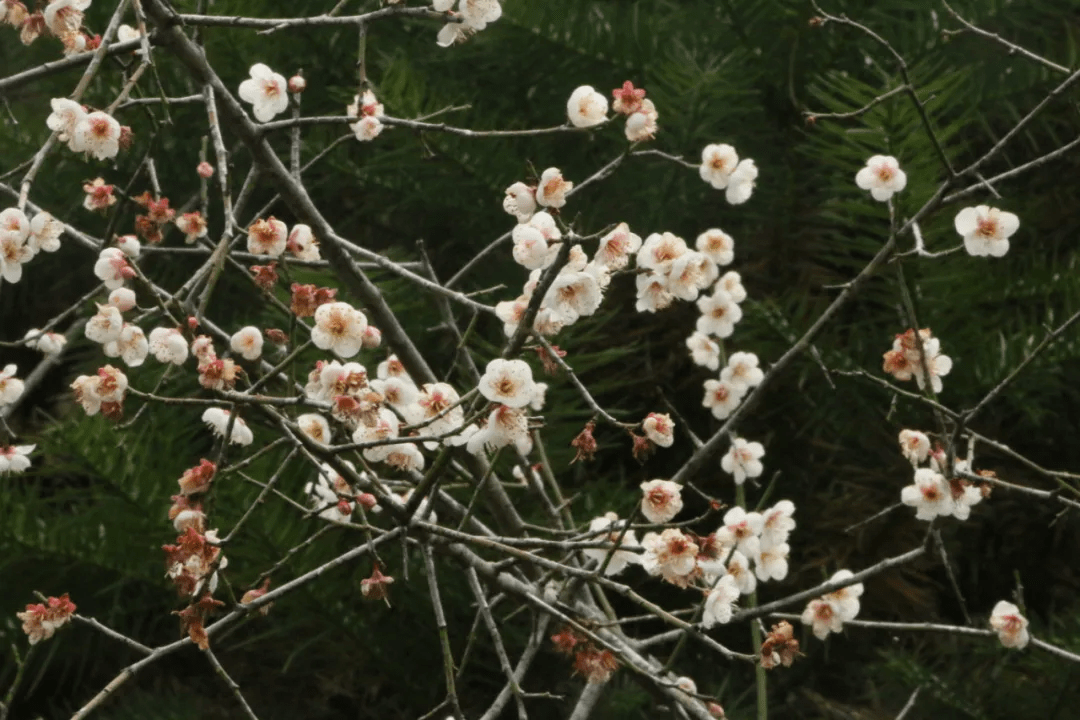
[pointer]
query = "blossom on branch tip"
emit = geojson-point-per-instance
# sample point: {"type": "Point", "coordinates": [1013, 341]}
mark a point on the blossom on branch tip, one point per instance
{"type": "Point", "coordinates": [520, 201]}
{"type": "Point", "coordinates": [509, 382]}
{"type": "Point", "coordinates": [40, 621]}
{"type": "Point", "coordinates": [717, 245]}
{"type": "Point", "coordinates": [616, 247]}
{"type": "Point", "coordinates": [267, 91]}
{"type": "Point", "coordinates": [112, 267]}
{"type": "Point", "coordinates": [703, 351]}
{"type": "Point", "coordinates": [551, 192]}
{"type": "Point", "coordinates": [743, 460]}
{"type": "Point", "coordinates": [720, 602]}
{"type": "Point", "coordinates": [586, 107]}
{"type": "Point", "coordinates": [915, 446]}
{"type": "Point", "coordinates": [882, 176]}
{"type": "Point", "coordinates": [267, 237]}
{"type": "Point", "coordinates": [98, 134]}
{"type": "Point", "coordinates": [721, 397]}
{"type": "Point", "coordinates": [659, 428]}
{"type": "Point", "coordinates": [1010, 625]}
{"type": "Point", "coordinates": [718, 162]}
{"type": "Point", "coordinates": [930, 495]}
{"type": "Point", "coordinates": [49, 343]}
{"type": "Point", "coordinates": [986, 230]}
{"type": "Point", "coordinates": [670, 554]}
{"type": "Point", "coordinates": [661, 500]}
{"type": "Point", "coordinates": [778, 522]}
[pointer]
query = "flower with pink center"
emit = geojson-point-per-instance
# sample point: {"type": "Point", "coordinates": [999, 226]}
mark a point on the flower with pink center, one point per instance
{"type": "Point", "coordinates": [315, 427]}
{"type": "Point", "coordinates": [930, 495]}
{"type": "Point", "coordinates": [509, 382]}
{"type": "Point", "coordinates": [659, 428]}
{"type": "Point", "coordinates": [11, 387]}
{"type": "Point", "coordinates": [302, 243]}
{"type": "Point", "coordinates": [168, 345]}
{"type": "Point", "coordinates": [13, 254]}
{"type": "Point", "coordinates": [15, 458]}
{"type": "Point", "coordinates": [112, 268]}
{"type": "Point", "coordinates": [660, 251]}
{"type": "Point", "coordinates": [49, 343]}
{"type": "Point", "coordinates": [718, 162]}
{"type": "Point", "coordinates": [743, 460]}
{"type": "Point", "coordinates": [552, 190]}
{"type": "Point", "coordinates": [720, 602]}
{"type": "Point", "coordinates": [1010, 625]}
{"type": "Point", "coordinates": [41, 621]}
{"type": "Point", "coordinates": [45, 231]}
{"type": "Point", "coordinates": [617, 246]}
{"type": "Point", "coordinates": [65, 115]}
{"type": "Point", "coordinates": [247, 342]}
{"type": "Point", "coordinates": [628, 98]}
{"type": "Point", "coordinates": [641, 126]}
{"type": "Point", "coordinates": [882, 176]}
{"type": "Point", "coordinates": [778, 522]}
{"type": "Point", "coordinates": [703, 351]}
{"type": "Point", "coordinates": [267, 237]}
{"type": "Point", "coordinates": [505, 426]}
{"type": "Point", "coordinates": [99, 196]}
{"type": "Point", "coordinates": [105, 326]}
{"type": "Point", "coordinates": [661, 500]}
{"type": "Point", "coordinates": [98, 134]}
{"type": "Point", "coordinates": [123, 299]}
{"type": "Point", "coordinates": [717, 245]}
{"type": "Point", "coordinates": [65, 16]}
{"type": "Point", "coordinates": [670, 554]}
{"type": "Point", "coordinates": [193, 225]}
{"type": "Point", "coordinates": [267, 91]}
{"type": "Point", "coordinates": [573, 295]}
{"type": "Point", "coordinates": [770, 559]}
{"type": "Point", "coordinates": [586, 107]}
{"type": "Point", "coordinates": [131, 346]}
{"type": "Point", "coordinates": [690, 274]}
{"type": "Point", "coordinates": [742, 529]}
{"type": "Point", "coordinates": [824, 616]}
{"type": "Point", "coordinates": [339, 327]}
{"type": "Point", "coordinates": [986, 230]}
{"type": "Point", "coordinates": [742, 370]}
{"type": "Point", "coordinates": [719, 314]}
{"type": "Point", "coordinates": [722, 398]}
{"type": "Point", "coordinates": [520, 201]}
{"type": "Point", "coordinates": [915, 446]}
{"type": "Point", "coordinates": [846, 599]}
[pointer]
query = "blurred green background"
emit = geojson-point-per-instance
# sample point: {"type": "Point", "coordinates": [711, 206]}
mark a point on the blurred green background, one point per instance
{"type": "Point", "coordinates": [89, 518]}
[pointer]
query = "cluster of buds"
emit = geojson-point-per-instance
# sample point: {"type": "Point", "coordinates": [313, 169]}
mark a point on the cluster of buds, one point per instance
{"type": "Point", "coordinates": [186, 511]}
{"type": "Point", "coordinates": [102, 392]}
{"type": "Point", "coordinates": [214, 373]}
{"type": "Point", "coordinates": [158, 214]}
{"type": "Point", "coordinates": [41, 620]}
{"type": "Point", "coordinates": [780, 647]}
{"type": "Point", "coordinates": [192, 563]}
{"type": "Point", "coordinates": [306, 299]}
{"type": "Point", "coordinates": [593, 663]}
{"type": "Point", "coordinates": [939, 490]}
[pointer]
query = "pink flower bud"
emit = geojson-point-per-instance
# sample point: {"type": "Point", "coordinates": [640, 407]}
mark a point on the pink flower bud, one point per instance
{"type": "Point", "coordinates": [297, 84]}
{"type": "Point", "coordinates": [205, 170]}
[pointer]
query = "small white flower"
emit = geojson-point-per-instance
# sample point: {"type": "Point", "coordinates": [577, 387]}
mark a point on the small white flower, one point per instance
{"type": "Point", "coordinates": [248, 342]}
{"type": "Point", "coordinates": [509, 382]}
{"type": "Point", "coordinates": [731, 283]}
{"type": "Point", "coordinates": [123, 299]}
{"type": "Point", "coordinates": [476, 14]}
{"type": "Point", "coordinates": [659, 252]}
{"type": "Point", "coordinates": [1010, 625]}
{"type": "Point", "coordinates": [720, 602]}
{"type": "Point", "coordinates": [738, 567]}
{"type": "Point", "coordinates": [105, 326]}
{"type": "Point", "coordinates": [367, 128]}
{"type": "Point", "coordinates": [722, 397]}
{"type": "Point", "coordinates": [718, 162]}
{"type": "Point", "coordinates": [771, 560]}
{"type": "Point", "coordinates": [620, 559]}
{"type": "Point", "coordinates": [451, 33]}
{"type": "Point", "coordinates": [505, 426]}
{"type": "Point", "coordinates": [824, 616]}
{"type": "Point", "coordinates": [846, 599]}
{"type": "Point", "coordinates": [218, 420]}
{"type": "Point", "coordinates": [690, 274]}
{"type": "Point", "coordinates": [112, 267]}
{"type": "Point", "coordinates": [703, 351]}
{"type": "Point", "coordinates": [743, 460]}
{"type": "Point", "coordinates": [719, 314]}
{"type": "Point", "coordinates": [930, 495]}
{"type": "Point", "coordinates": [661, 500]}
{"type": "Point", "coordinates": [520, 201]}
{"type": "Point", "coordinates": [315, 427]}
{"type": "Point", "coordinates": [11, 387]}
{"type": "Point", "coordinates": [659, 428]}
{"type": "Point", "coordinates": [986, 230]}
{"type": "Point", "coordinates": [45, 231]}
{"type": "Point", "coordinates": [339, 328]}
{"type": "Point", "coordinates": [15, 458]}
{"type": "Point", "coordinates": [267, 237]}
{"type": "Point", "coordinates": [129, 245]}
{"type": "Point", "coordinates": [652, 292]}
{"type": "Point", "coordinates": [267, 91]}
{"type": "Point", "coordinates": [66, 114]}
{"type": "Point", "coordinates": [717, 245]}
{"type": "Point", "coordinates": [573, 295]}
{"type": "Point", "coordinates": [670, 554]}
{"type": "Point", "coordinates": [915, 445]}
{"type": "Point", "coordinates": [131, 346]}
{"type": "Point", "coordinates": [49, 343]}
{"type": "Point", "coordinates": [98, 134]}
{"type": "Point", "coordinates": [586, 107]}
{"type": "Point", "coordinates": [551, 192]}
{"type": "Point", "coordinates": [741, 183]}
{"type": "Point", "coordinates": [882, 176]}
{"type": "Point", "coordinates": [302, 243]}
{"type": "Point", "coordinates": [778, 523]}
{"type": "Point", "coordinates": [742, 371]}
{"type": "Point", "coordinates": [168, 345]}
{"type": "Point", "coordinates": [742, 528]}
{"type": "Point", "coordinates": [616, 247]}
{"type": "Point", "coordinates": [641, 125]}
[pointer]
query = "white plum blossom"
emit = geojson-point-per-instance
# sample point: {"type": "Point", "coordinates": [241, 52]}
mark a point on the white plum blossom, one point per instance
{"type": "Point", "coordinates": [552, 190]}
{"type": "Point", "coordinates": [15, 458]}
{"type": "Point", "coordinates": [659, 252]}
{"type": "Point", "coordinates": [846, 599]}
{"type": "Point", "coordinates": [586, 107]}
{"type": "Point", "coordinates": [505, 426]}
{"type": "Point", "coordinates": [661, 500]}
{"type": "Point", "coordinates": [621, 558]}
{"type": "Point", "coordinates": [718, 162]}
{"type": "Point", "coordinates": [617, 246]}
{"type": "Point", "coordinates": [930, 495]}
{"type": "Point", "coordinates": [302, 243]}
{"type": "Point", "coordinates": [824, 616]}
{"type": "Point", "coordinates": [531, 249]}
{"type": "Point", "coordinates": [738, 567]}
{"type": "Point", "coordinates": [49, 343]}
{"type": "Point", "coordinates": [367, 128]}
{"type": "Point", "coordinates": [652, 292]}
{"type": "Point", "coordinates": [45, 231]}
{"type": "Point", "coordinates": [720, 602]}
{"type": "Point", "coordinates": [65, 16]}
{"type": "Point", "coordinates": [267, 237]}
{"type": "Point", "coordinates": [742, 371]}
{"type": "Point", "coordinates": [905, 361]}
{"type": "Point", "coordinates": [691, 273]}
{"type": "Point", "coordinates": [641, 125]}
{"type": "Point", "coordinates": [721, 397]}
{"type": "Point", "coordinates": [105, 326]}
{"type": "Point", "coordinates": [915, 446]}
{"type": "Point", "coordinates": [476, 14]}
{"type": "Point", "coordinates": [328, 494]}
{"type": "Point", "coordinates": [703, 351]}
{"type": "Point", "coordinates": [218, 421]}
{"type": "Point", "coordinates": [168, 345]}
{"type": "Point", "coordinates": [986, 230]}
{"type": "Point", "coordinates": [741, 528]}
{"type": "Point", "coordinates": [65, 115]}
{"type": "Point", "coordinates": [129, 245]}
{"type": "Point", "coordinates": [717, 245]}
{"type": "Point", "coordinates": [267, 91]}
{"type": "Point", "coordinates": [573, 295]}
{"type": "Point", "coordinates": [123, 299]}
{"type": "Point", "coordinates": [659, 428]}
{"type": "Point", "coordinates": [248, 342]}
{"type": "Point", "coordinates": [112, 267]}
{"type": "Point", "coordinates": [11, 387]}
{"type": "Point", "coordinates": [731, 283]}
{"type": "Point", "coordinates": [384, 426]}
{"type": "Point", "coordinates": [131, 346]}
{"type": "Point", "coordinates": [741, 182]}
{"type": "Point", "coordinates": [719, 314]}
{"type": "Point", "coordinates": [771, 560]}
{"type": "Point", "coordinates": [1010, 625]}
{"type": "Point", "coordinates": [520, 201]}
{"type": "Point", "coordinates": [509, 382]}
{"type": "Point", "coordinates": [96, 133]}
{"type": "Point", "coordinates": [339, 327]}
{"type": "Point", "coordinates": [882, 176]}
{"type": "Point", "coordinates": [778, 523]}
{"type": "Point", "coordinates": [315, 427]}
{"type": "Point", "coordinates": [743, 460]}
{"type": "Point", "coordinates": [671, 554]}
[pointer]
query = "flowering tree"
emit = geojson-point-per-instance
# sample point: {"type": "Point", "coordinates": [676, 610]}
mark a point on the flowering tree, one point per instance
{"type": "Point", "coordinates": [326, 402]}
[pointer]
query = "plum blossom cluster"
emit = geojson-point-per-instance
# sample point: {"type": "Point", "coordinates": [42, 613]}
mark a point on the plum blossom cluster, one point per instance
{"type": "Point", "coordinates": [918, 357]}
{"type": "Point", "coordinates": [272, 237]}
{"type": "Point", "coordinates": [102, 392]}
{"type": "Point", "coordinates": [40, 621]}
{"type": "Point", "coordinates": [93, 132]}
{"type": "Point", "coordinates": [62, 19]}
{"type": "Point", "coordinates": [595, 664]}
{"type": "Point", "coordinates": [471, 17]}
{"type": "Point", "coordinates": [931, 494]}
{"type": "Point", "coordinates": [510, 386]}
{"type": "Point", "coordinates": [367, 110]}
{"type": "Point", "coordinates": [641, 114]}
{"type": "Point", "coordinates": [334, 498]}
{"type": "Point", "coordinates": [722, 168]}
{"type": "Point", "coordinates": [21, 238]}
{"type": "Point", "coordinates": [828, 613]}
